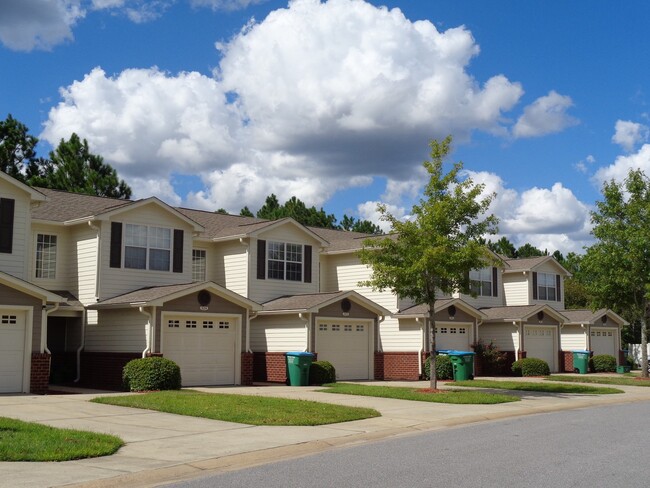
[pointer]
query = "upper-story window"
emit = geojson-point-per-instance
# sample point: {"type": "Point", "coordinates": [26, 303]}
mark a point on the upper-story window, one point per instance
{"type": "Point", "coordinates": [284, 261]}
{"type": "Point", "coordinates": [147, 247]}
{"type": "Point", "coordinates": [546, 286]}
{"type": "Point", "coordinates": [481, 282]}
{"type": "Point", "coordinates": [199, 260]}
{"type": "Point", "coordinates": [45, 256]}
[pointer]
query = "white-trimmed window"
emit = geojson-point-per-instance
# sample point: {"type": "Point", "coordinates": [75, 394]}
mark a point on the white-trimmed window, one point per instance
{"type": "Point", "coordinates": [199, 260]}
{"type": "Point", "coordinates": [546, 290]}
{"type": "Point", "coordinates": [481, 281]}
{"type": "Point", "coordinates": [284, 261]}
{"type": "Point", "coordinates": [147, 247]}
{"type": "Point", "coordinates": [45, 256]}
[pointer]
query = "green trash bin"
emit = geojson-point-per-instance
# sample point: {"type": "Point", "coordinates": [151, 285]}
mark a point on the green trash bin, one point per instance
{"type": "Point", "coordinates": [581, 361]}
{"type": "Point", "coordinates": [463, 364]}
{"type": "Point", "coordinates": [298, 364]}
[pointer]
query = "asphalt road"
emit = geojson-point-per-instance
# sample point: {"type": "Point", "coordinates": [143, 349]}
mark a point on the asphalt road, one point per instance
{"type": "Point", "coordinates": [593, 447]}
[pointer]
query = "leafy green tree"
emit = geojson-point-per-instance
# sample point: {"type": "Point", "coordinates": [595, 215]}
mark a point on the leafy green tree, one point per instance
{"type": "Point", "coordinates": [356, 225]}
{"type": "Point", "coordinates": [245, 212]}
{"type": "Point", "coordinates": [17, 148]}
{"type": "Point", "coordinates": [529, 251]}
{"type": "Point", "coordinates": [72, 167]}
{"type": "Point", "coordinates": [617, 266]}
{"type": "Point", "coordinates": [503, 247]}
{"type": "Point", "coordinates": [576, 295]}
{"type": "Point", "coordinates": [297, 210]}
{"type": "Point", "coordinates": [434, 251]}
{"type": "Point", "coordinates": [221, 211]}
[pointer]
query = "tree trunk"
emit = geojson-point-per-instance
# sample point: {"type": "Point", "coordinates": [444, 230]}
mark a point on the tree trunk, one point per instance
{"type": "Point", "coordinates": [432, 351]}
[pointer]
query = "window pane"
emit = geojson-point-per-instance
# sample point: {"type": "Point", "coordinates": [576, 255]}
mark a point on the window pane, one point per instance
{"type": "Point", "coordinates": [45, 256]}
{"type": "Point", "coordinates": [135, 257]}
{"type": "Point", "coordinates": [276, 270]}
{"type": "Point", "coordinates": [294, 253]}
{"type": "Point", "coordinates": [135, 235]}
{"type": "Point", "coordinates": [294, 271]}
{"type": "Point", "coordinates": [160, 238]}
{"type": "Point", "coordinates": [542, 293]}
{"type": "Point", "coordinates": [551, 294]}
{"type": "Point", "coordinates": [486, 288]}
{"type": "Point", "coordinates": [198, 264]}
{"type": "Point", "coordinates": [275, 250]}
{"type": "Point", "coordinates": [159, 259]}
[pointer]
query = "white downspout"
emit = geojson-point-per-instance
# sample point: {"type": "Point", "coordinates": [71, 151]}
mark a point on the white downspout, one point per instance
{"type": "Point", "coordinates": [307, 324]}
{"type": "Point", "coordinates": [148, 331]}
{"type": "Point", "coordinates": [421, 349]}
{"type": "Point", "coordinates": [378, 339]}
{"type": "Point", "coordinates": [84, 321]}
{"type": "Point", "coordinates": [45, 314]}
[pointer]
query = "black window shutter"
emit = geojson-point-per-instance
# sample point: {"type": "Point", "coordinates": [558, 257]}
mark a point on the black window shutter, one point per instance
{"type": "Point", "coordinates": [534, 285]}
{"type": "Point", "coordinates": [177, 265]}
{"type": "Point", "coordinates": [116, 245]}
{"type": "Point", "coordinates": [7, 206]}
{"type": "Point", "coordinates": [261, 259]}
{"type": "Point", "coordinates": [558, 282]}
{"type": "Point", "coordinates": [307, 264]}
{"type": "Point", "coordinates": [495, 284]}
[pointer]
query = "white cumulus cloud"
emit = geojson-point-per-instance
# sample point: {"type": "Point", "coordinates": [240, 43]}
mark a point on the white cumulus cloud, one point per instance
{"type": "Point", "coordinates": [546, 115]}
{"type": "Point", "coordinates": [620, 168]}
{"type": "Point", "coordinates": [628, 134]}
{"type": "Point", "coordinates": [227, 5]}
{"type": "Point", "coordinates": [36, 24]}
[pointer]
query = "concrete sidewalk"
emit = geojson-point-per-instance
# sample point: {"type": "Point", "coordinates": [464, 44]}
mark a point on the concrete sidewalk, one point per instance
{"type": "Point", "coordinates": [164, 447]}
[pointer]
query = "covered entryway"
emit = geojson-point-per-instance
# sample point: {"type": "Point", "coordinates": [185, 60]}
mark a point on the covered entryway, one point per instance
{"type": "Point", "coordinates": [13, 327]}
{"type": "Point", "coordinates": [205, 347]}
{"type": "Point", "coordinates": [453, 336]}
{"type": "Point", "coordinates": [347, 345]}
{"type": "Point", "coordinates": [603, 341]}
{"type": "Point", "coordinates": [539, 342]}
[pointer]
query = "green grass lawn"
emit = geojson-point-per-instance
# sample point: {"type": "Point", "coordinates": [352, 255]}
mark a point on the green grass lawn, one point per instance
{"type": "Point", "coordinates": [406, 393]}
{"type": "Point", "coordinates": [542, 387]}
{"type": "Point", "coordinates": [26, 441]}
{"type": "Point", "coordinates": [242, 409]}
{"type": "Point", "coordinates": [623, 380]}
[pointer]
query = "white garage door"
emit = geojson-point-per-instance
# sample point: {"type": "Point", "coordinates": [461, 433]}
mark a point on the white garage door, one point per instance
{"type": "Point", "coordinates": [347, 347]}
{"type": "Point", "coordinates": [12, 350]}
{"type": "Point", "coordinates": [539, 342]}
{"type": "Point", "coordinates": [603, 341]}
{"type": "Point", "coordinates": [453, 337]}
{"type": "Point", "coordinates": [204, 348]}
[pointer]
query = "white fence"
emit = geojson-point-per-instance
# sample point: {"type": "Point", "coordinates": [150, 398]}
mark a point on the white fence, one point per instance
{"type": "Point", "coordinates": [635, 353]}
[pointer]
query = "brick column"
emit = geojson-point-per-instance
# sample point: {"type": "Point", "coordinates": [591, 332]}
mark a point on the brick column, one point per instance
{"type": "Point", "coordinates": [40, 374]}
{"type": "Point", "coordinates": [247, 368]}
{"type": "Point", "coordinates": [379, 365]}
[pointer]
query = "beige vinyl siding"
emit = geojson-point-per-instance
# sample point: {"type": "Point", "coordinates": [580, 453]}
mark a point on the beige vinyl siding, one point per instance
{"type": "Point", "coordinates": [264, 290]}
{"type": "Point", "coordinates": [278, 333]}
{"type": "Point", "coordinates": [116, 281]}
{"type": "Point", "coordinates": [229, 266]}
{"type": "Point", "coordinates": [121, 330]}
{"type": "Point", "coordinates": [15, 263]}
{"type": "Point", "coordinates": [505, 336]}
{"type": "Point", "coordinates": [84, 247]}
{"type": "Point", "coordinates": [65, 266]}
{"type": "Point", "coordinates": [400, 335]}
{"type": "Point", "coordinates": [573, 337]}
{"type": "Point", "coordinates": [345, 271]}
{"type": "Point", "coordinates": [516, 289]}
{"type": "Point", "coordinates": [549, 267]}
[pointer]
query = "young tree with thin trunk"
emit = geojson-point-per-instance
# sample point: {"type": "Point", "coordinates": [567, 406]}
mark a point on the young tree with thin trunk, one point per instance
{"type": "Point", "coordinates": [616, 269]}
{"type": "Point", "coordinates": [432, 253]}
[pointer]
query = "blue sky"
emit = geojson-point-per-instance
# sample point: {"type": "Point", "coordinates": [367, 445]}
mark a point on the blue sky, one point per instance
{"type": "Point", "coordinates": [218, 103]}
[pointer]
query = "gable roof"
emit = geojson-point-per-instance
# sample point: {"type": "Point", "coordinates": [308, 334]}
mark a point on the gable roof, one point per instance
{"type": "Point", "coordinates": [29, 288]}
{"type": "Point", "coordinates": [529, 264]}
{"type": "Point", "coordinates": [34, 194]}
{"type": "Point", "coordinates": [520, 313]}
{"type": "Point", "coordinates": [593, 317]}
{"type": "Point", "coordinates": [313, 302]}
{"type": "Point", "coordinates": [422, 310]}
{"type": "Point", "coordinates": [63, 206]}
{"type": "Point", "coordinates": [156, 296]}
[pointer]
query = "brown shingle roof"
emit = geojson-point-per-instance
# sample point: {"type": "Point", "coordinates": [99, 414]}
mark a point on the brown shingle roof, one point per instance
{"type": "Point", "coordinates": [148, 294]}
{"type": "Point", "coordinates": [62, 206]}
{"type": "Point", "coordinates": [300, 302]}
{"type": "Point", "coordinates": [524, 264]}
{"type": "Point", "coordinates": [519, 312]}
{"type": "Point", "coordinates": [423, 308]}
{"type": "Point", "coordinates": [583, 316]}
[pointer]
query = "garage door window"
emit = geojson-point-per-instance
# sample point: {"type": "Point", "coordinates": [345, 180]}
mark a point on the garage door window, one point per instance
{"type": "Point", "coordinates": [8, 320]}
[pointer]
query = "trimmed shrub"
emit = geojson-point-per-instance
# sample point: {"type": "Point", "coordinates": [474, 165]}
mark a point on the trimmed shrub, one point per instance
{"type": "Point", "coordinates": [154, 373]}
{"type": "Point", "coordinates": [494, 361]}
{"type": "Point", "coordinates": [444, 368]}
{"type": "Point", "coordinates": [321, 372]}
{"type": "Point", "coordinates": [531, 367]}
{"type": "Point", "coordinates": [603, 363]}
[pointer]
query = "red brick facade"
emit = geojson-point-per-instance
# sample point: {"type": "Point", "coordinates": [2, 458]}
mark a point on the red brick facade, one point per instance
{"type": "Point", "coordinates": [269, 366]}
{"type": "Point", "coordinates": [397, 366]}
{"type": "Point", "coordinates": [40, 374]}
{"type": "Point", "coordinates": [566, 361]}
{"type": "Point", "coordinates": [247, 359]}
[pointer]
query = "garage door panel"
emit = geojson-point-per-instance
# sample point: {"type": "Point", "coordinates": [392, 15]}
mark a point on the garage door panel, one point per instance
{"type": "Point", "coordinates": [453, 337]}
{"type": "Point", "coordinates": [539, 342]}
{"type": "Point", "coordinates": [347, 347]}
{"type": "Point", "coordinates": [12, 350]}
{"type": "Point", "coordinates": [603, 341]}
{"type": "Point", "coordinates": [203, 348]}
